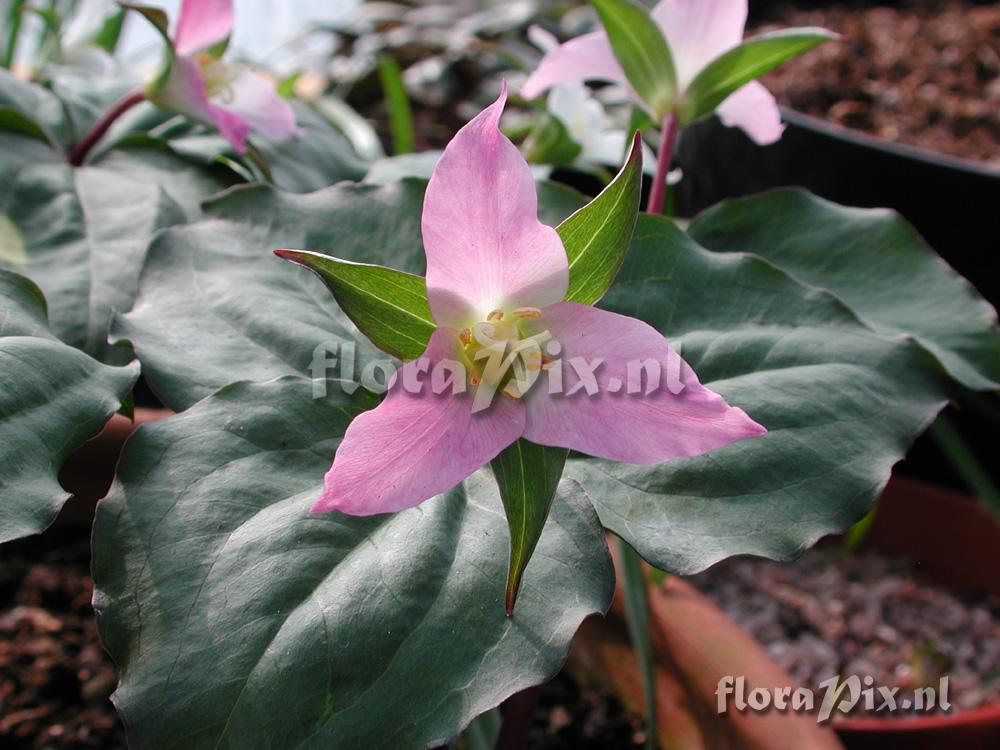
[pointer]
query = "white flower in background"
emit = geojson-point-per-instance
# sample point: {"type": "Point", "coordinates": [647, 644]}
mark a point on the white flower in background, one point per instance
{"type": "Point", "coordinates": [586, 122]}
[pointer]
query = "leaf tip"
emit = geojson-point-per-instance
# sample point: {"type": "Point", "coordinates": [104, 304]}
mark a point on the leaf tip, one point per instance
{"type": "Point", "coordinates": [513, 588]}
{"type": "Point", "coordinates": [293, 256]}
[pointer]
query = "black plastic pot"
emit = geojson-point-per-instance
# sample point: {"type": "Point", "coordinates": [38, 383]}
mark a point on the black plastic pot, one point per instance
{"type": "Point", "coordinates": [954, 203]}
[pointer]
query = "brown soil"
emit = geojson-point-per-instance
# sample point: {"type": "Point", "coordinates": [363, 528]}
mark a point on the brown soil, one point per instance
{"type": "Point", "coordinates": [924, 72]}
{"type": "Point", "coordinates": [55, 678]}
{"type": "Point", "coordinates": [863, 614]}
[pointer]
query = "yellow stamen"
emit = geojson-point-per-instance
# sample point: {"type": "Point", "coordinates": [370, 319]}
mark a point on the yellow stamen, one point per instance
{"type": "Point", "coordinates": [527, 312]}
{"type": "Point", "coordinates": [495, 315]}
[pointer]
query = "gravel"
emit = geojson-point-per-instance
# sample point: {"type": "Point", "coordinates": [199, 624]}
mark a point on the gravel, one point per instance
{"type": "Point", "coordinates": [833, 614]}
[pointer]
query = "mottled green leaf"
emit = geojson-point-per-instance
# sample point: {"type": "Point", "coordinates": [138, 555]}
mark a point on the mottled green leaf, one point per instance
{"type": "Point", "coordinates": [841, 402]}
{"type": "Point", "coordinates": [321, 631]}
{"type": "Point", "coordinates": [216, 306]}
{"type": "Point", "coordinates": [876, 263]}
{"type": "Point", "coordinates": [53, 399]}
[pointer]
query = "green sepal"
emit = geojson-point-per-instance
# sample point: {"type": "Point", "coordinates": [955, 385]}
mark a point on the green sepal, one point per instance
{"type": "Point", "coordinates": [740, 65]}
{"type": "Point", "coordinates": [527, 475]}
{"type": "Point", "coordinates": [643, 52]}
{"type": "Point", "coordinates": [388, 306]}
{"type": "Point", "coordinates": [597, 237]}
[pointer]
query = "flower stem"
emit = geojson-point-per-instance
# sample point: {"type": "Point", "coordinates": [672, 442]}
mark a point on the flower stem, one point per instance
{"type": "Point", "coordinates": [79, 152]}
{"type": "Point", "coordinates": [664, 157]}
{"type": "Point", "coordinates": [635, 590]}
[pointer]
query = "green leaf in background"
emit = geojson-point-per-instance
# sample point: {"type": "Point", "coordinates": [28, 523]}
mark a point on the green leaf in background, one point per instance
{"type": "Point", "coordinates": [321, 631]}
{"type": "Point", "coordinates": [874, 262]}
{"type": "Point", "coordinates": [550, 143]}
{"type": "Point", "coordinates": [35, 104]}
{"type": "Point", "coordinates": [85, 232]}
{"type": "Point", "coordinates": [110, 33]}
{"type": "Point", "coordinates": [842, 404]}
{"type": "Point", "coordinates": [743, 64]}
{"type": "Point", "coordinates": [597, 236]}
{"type": "Point", "coordinates": [215, 306]}
{"type": "Point", "coordinates": [398, 105]}
{"type": "Point", "coordinates": [388, 306]}
{"type": "Point", "coordinates": [527, 475]}
{"type": "Point", "coordinates": [87, 95]}
{"type": "Point", "coordinates": [641, 50]}
{"type": "Point", "coordinates": [156, 16]}
{"type": "Point", "coordinates": [318, 158]}
{"type": "Point", "coordinates": [355, 128]}
{"type": "Point", "coordinates": [53, 399]}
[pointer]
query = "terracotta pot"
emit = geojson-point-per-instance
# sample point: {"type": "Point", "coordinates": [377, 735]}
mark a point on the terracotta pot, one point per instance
{"type": "Point", "coordinates": [952, 540]}
{"type": "Point", "coordinates": [88, 473]}
{"type": "Point", "coordinates": [955, 542]}
{"type": "Point", "coordinates": [695, 645]}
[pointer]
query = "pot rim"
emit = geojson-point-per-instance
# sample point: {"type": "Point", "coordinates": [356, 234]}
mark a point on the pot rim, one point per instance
{"type": "Point", "coordinates": [987, 715]}
{"type": "Point", "coordinates": [902, 150]}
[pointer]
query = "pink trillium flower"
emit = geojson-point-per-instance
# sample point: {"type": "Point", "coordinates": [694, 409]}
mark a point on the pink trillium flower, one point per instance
{"type": "Point", "coordinates": [202, 86]}
{"type": "Point", "coordinates": [496, 274]}
{"type": "Point", "coordinates": [698, 31]}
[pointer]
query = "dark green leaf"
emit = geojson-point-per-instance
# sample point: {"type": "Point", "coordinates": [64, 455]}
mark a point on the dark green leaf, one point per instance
{"type": "Point", "coordinates": [388, 306]}
{"type": "Point", "coordinates": [597, 236]}
{"type": "Point", "coordinates": [874, 262]}
{"type": "Point", "coordinates": [642, 51]}
{"type": "Point", "coordinates": [326, 631]}
{"type": "Point", "coordinates": [527, 475]}
{"type": "Point", "coordinates": [53, 399]}
{"type": "Point", "coordinates": [841, 403]}
{"type": "Point", "coordinates": [745, 63]}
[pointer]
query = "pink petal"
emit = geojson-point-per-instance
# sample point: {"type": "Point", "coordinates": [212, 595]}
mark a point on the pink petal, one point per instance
{"type": "Point", "coordinates": [413, 447]}
{"type": "Point", "coordinates": [753, 109]}
{"type": "Point", "coordinates": [586, 58]}
{"type": "Point", "coordinates": [203, 24]}
{"type": "Point", "coordinates": [255, 99]}
{"type": "Point", "coordinates": [698, 31]}
{"type": "Point", "coordinates": [636, 428]}
{"type": "Point", "coordinates": [185, 93]}
{"type": "Point", "coordinates": [486, 248]}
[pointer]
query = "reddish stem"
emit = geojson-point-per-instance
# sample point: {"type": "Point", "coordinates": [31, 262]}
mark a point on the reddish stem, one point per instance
{"type": "Point", "coordinates": [658, 192]}
{"type": "Point", "coordinates": [79, 152]}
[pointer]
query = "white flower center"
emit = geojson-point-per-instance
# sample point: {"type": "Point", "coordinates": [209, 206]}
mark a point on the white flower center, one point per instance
{"type": "Point", "coordinates": [500, 356]}
{"type": "Point", "coordinates": [218, 78]}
